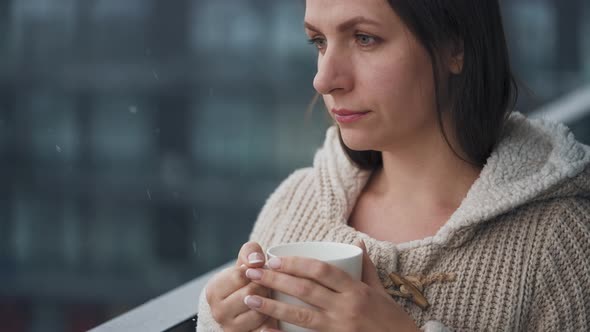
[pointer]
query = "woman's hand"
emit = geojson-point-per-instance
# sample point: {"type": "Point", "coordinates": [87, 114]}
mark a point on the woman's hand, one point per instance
{"type": "Point", "coordinates": [343, 304]}
{"type": "Point", "coordinates": [226, 291]}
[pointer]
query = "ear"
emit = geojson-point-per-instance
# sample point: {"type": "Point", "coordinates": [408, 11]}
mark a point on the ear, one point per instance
{"type": "Point", "coordinates": [455, 58]}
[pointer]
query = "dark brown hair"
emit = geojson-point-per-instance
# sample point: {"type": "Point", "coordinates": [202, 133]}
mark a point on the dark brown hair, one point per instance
{"type": "Point", "coordinates": [482, 96]}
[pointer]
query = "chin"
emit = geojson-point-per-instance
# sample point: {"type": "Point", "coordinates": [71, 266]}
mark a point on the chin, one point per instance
{"type": "Point", "coordinates": [357, 140]}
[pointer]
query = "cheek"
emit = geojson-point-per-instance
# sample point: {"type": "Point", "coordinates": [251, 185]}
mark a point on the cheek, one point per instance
{"type": "Point", "coordinates": [405, 85]}
{"type": "Point", "coordinates": [389, 86]}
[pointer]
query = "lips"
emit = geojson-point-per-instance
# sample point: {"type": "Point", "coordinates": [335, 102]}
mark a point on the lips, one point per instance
{"type": "Point", "coordinates": [345, 112]}
{"type": "Point", "coordinates": [348, 116]}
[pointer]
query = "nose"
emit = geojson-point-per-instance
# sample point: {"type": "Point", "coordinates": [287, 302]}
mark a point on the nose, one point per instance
{"type": "Point", "coordinates": [334, 73]}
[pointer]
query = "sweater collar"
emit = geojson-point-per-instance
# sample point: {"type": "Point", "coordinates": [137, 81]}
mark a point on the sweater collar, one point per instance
{"type": "Point", "coordinates": [531, 161]}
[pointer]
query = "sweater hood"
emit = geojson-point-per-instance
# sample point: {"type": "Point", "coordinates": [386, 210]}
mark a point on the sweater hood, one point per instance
{"type": "Point", "coordinates": [534, 160]}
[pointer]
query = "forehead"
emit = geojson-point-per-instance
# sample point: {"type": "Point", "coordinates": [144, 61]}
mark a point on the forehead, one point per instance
{"type": "Point", "coordinates": [327, 13]}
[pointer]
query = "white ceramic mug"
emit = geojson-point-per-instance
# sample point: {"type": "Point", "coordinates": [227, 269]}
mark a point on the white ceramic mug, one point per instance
{"type": "Point", "coordinates": [347, 257]}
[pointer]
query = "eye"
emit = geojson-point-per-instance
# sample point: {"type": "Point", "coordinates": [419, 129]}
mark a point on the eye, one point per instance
{"type": "Point", "coordinates": [366, 40]}
{"type": "Point", "coordinates": [319, 42]}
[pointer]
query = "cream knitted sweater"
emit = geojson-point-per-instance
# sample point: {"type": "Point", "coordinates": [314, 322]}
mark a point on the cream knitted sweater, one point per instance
{"type": "Point", "coordinates": [518, 245]}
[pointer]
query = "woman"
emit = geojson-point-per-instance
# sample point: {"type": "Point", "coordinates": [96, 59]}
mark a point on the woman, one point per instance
{"type": "Point", "coordinates": [471, 218]}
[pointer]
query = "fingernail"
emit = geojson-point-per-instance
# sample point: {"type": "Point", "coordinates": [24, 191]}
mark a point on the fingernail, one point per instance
{"type": "Point", "coordinates": [253, 301]}
{"type": "Point", "coordinates": [255, 258]}
{"type": "Point", "coordinates": [254, 274]}
{"type": "Point", "coordinates": [274, 263]}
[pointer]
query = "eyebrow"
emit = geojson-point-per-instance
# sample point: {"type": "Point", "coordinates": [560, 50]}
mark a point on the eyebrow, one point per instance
{"type": "Point", "coordinates": [346, 25]}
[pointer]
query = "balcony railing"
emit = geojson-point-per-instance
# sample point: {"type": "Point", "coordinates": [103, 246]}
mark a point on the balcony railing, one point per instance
{"type": "Point", "coordinates": [181, 304]}
{"type": "Point", "coordinates": [567, 109]}
{"type": "Point", "coordinates": [165, 311]}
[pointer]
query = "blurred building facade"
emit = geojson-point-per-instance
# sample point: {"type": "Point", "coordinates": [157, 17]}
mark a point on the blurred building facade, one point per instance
{"type": "Point", "coordinates": [140, 138]}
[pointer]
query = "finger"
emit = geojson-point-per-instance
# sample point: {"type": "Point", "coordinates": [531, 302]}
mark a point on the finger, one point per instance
{"type": "Point", "coordinates": [250, 320]}
{"type": "Point", "coordinates": [270, 324]}
{"type": "Point", "coordinates": [370, 274]}
{"type": "Point", "coordinates": [306, 290]}
{"type": "Point", "coordinates": [297, 315]}
{"type": "Point", "coordinates": [226, 283]}
{"type": "Point", "coordinates": [323, 273]}
{"type": "Point", "coordinates": [234, 304]}
{"type": "Point", "coordinates": [251, 255]}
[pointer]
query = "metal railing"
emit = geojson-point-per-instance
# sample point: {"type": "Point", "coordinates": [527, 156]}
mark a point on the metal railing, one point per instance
{"type": "Point", "coordinates": [181, 304]}
{"type": "Point", "coordinates": [567, 109]}
{"type": "Point", "coordinates": [165, 311]}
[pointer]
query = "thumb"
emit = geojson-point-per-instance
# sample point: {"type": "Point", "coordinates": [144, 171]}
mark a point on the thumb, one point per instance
{"type": "Point", "coordinates": [370, 275]}
{"type": "Point", "coordinates": [251, 255]}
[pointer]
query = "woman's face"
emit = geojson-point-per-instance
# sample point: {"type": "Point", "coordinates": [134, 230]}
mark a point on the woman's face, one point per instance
{"type": "Point", "coordinates": [375, 78]}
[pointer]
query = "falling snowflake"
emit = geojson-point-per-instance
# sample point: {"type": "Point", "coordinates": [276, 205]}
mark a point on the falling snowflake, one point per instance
{"type": "Point", "coordinates": [155, 75]}
{"type": "Point", "coordinates": [149, 194]}
{"type": "Point", "coordinates": [58, 148]}
{"type": "Point", "coordinates": [133, 109]}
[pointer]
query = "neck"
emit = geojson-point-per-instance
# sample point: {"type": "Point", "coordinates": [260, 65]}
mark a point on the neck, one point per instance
{"type": "Point", "coordinates": [425, 173]}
